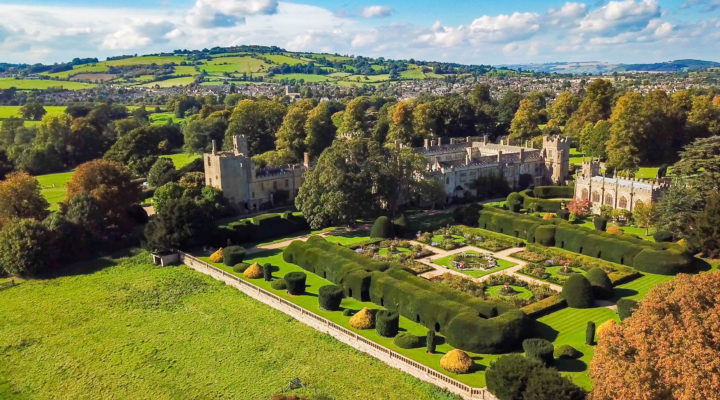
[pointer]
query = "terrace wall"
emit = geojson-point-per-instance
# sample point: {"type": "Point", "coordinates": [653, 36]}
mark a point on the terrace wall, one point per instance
{"type": "Point", "coordinates": [340, 333]}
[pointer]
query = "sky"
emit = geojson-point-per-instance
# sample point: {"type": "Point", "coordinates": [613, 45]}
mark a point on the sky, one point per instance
{"type": "Point", "coordinates": [464, 31]}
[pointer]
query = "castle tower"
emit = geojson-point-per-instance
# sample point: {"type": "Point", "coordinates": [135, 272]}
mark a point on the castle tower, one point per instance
{"type": "Point", "coordinates": [590, 168]}
{"type": "Point", "coordinates": [240, 145]}
{"type": "Point", "coordinates": [556, 152]}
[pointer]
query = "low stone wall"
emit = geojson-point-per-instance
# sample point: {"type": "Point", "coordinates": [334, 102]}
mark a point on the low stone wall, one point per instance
{"type": "Point", "coordinates": [340, 333]}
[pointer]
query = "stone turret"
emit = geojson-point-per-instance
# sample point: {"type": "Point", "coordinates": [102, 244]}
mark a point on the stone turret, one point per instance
{"type": "Point", "coordinates": [240, 145]}
{"type": "Point", "coordinates": [556, 152]}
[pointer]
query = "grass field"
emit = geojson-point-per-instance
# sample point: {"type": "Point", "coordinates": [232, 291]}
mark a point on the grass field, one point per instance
{"type": "Point", "coordinates": [39, 84]}
{"type": "Point", "coordinates": [14, 111]}
{"type": "Point", "coordinates": [234, 65]}
{"type": "Point", "coordinates": [126, 329]}
{"type": "Point", "coordinates": [304, 77]}
{"type": "Point", "coordinates": [53, 187]}
{"type": "Point", "coordinates": [164, 117]}
{"type": "Point", "coordinates": [80, 69]}
{"type": "Point", "coordinates": [182, 159]}
{"type": "Point", "coordinates": [283, 59]}
{"type": "Point", "coordinates": [146, 60]}
{"type": "Point", "coordinates": [181, 81]}
{"type": "Point", "coordinates": [185, 70]}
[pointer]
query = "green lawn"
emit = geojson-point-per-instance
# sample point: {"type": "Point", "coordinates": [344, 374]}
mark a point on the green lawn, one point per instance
{"type": "Point", "coordinates": [146, 60]}
{"type": "Point", "coordinates": [638, 288]}
{"type": "Point", "coordinates": [164, 117]}
{"type": "Point", "coordinates": [567, 326]}
{"type": "Point", "coordinates": [640, 232]}
{"type": "Point", "coordinates": [446, 262]}
{"type": "Point", "coordinates": [126, 329]}
{"type": "Point", "coordinates": [53, 187]}
{"type": "Point", "coordinates": [234, 65]}
{"type": "Point", "coordinates": [283, 59]}
{"type": "Point", "coordinates": [182, 159]}
{"type": "Point", "coordinates": [40, 84]}
{"type": "Point", "coordinates": [14, 111]}
{"type": "Point", "coordinates": [181, 81]}
{"type": "Point", "coordinates": [81, 69]}
{"type": "Point", "coordinates": [521, 292]}
{"type": "Point", "coordinates": [647, 172]}
{"type": "Point", "coordinates": [310, 302]}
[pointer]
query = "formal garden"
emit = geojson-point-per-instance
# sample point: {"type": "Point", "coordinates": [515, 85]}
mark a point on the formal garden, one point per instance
{"type": "Point", "coordinates": [473, 263]}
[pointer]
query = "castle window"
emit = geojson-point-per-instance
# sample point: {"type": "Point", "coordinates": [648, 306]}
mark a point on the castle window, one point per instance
{"type": "Point", "coordinates": [609, 200]}
{"type": "Point", "coordinates": [595, 197]}
{"type": "Point", "coordinates": [286, 183]}
{"type": "Point", "coordinates": [584, 194]}
{"type": "Point", "coordinates": [208, 161]}
{"type": "Point", "coordinates": [623, 202]}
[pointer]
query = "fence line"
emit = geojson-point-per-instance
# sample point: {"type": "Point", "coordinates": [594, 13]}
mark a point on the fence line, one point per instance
{"type": "Point", "coordinates": [340, 333]}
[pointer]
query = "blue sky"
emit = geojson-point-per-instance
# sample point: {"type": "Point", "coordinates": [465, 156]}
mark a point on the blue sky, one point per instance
{"type": "Point", "coordinates": [479, 32]}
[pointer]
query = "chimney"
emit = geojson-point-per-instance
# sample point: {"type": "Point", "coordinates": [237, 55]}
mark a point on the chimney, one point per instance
{"type": "Point", "coordinates": [485, 140]}
{"type": "Point", "coordinates": [306, 159]}
{"type": "Point", "coordinates": [439, 141]}
{"type": "Point", "coordinates": [214, 147]}
{"type": "Point", "coordinates": [426, 143]}
{"type": "Point", "coordinates": [452, 140]}
{"type": "Point", "coordinates": [467, 139]}
{"type": "Point", "coordinates": [522, 154]}
{"type": "Point", "coordinates": [499, 156]}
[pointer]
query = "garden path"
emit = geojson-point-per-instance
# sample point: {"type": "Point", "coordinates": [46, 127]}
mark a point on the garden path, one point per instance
{"type": "Point", "coordinates": [283, 244]}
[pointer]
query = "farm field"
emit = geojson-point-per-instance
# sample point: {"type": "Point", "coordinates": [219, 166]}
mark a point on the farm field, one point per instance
{"type": "Point", "coordinates": [128, 329]}
{"type": "Point", "coordinates": [283, 59]}
{"type": "Point", "coordinates": [181, 81]}
{"type": "Point", "coordinates": [33, 84]}
{"type": "Point", "coordinates": [53, 187]}
{"type": "Point", "coordinates": [14, 111]}
{"type": "Point", "coordinates": [240, 65]}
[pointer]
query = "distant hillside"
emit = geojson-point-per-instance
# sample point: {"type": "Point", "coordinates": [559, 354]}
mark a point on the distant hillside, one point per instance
{"type": "Point", "coordinates": [598, 67]}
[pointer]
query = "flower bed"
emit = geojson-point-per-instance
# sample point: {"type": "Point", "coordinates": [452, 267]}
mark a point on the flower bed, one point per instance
{"type": "Point", "coordinates": [525, 293]}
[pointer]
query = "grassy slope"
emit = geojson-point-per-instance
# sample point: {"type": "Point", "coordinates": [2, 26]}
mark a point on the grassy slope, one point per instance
{"type": "Point", "coordinates": [182, 159]}
{"type": "Point", "coordinates": [56, 194]}
{"type": "Point", "coordinates": [134, 330]}
{"type": "Point", "coordinates": [14, 111]}
{"type": "Point", "coordinates": [30, 84]}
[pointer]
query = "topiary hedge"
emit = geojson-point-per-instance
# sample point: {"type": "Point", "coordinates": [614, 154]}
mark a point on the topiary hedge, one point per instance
{"type": "Point", "coordinates": [578, 292]}
{"type": "Point", "coordinates": [330, 297]}
{"type": "Point", "coordinates": [467, 322]}
{"type": "Point", "coordinates": [539, 349]}
{"type": "Point", "coordinates": [601, 285]}
{"type": "Point", "coordinates": [625, 308]}
{"type": "Point", "coordinates": [566, 351]}
{"type": "Point", "coordinates": [401, 225]}
{"type": "Point", "coordinates": [259, 228]}
{"type": "Point", "coordinates": [590, 333]}
{"type": "Point", "coordinates": [663, 236]}
{"type": "Point", "coordinates": [295, 282]}
{"type": "Point", "coordinates": [406, 340]}
{"type": "Point", "coordinates": [387, 323]}
{"type": "Point", "coordinates": [279, 284]}
{"type": "Point", "coordinates": [540, 204]}
{"type": "Point", "coordinates": [241, 267]}
{"type": "Point", "coordinates": [514, 202]}
{"type": "Point", "coordinates": [600, 223]}
{"type": "Point", "coordinates": [658, 258]}
{"type": "Point", "coordinates": [233, 255]}
{"type": "Point", "coordinates": [382, 228]}
{"type": "Point", "coordinates": [554, 192]}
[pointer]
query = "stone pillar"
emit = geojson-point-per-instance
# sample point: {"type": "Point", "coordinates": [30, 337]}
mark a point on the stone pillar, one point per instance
{"type": "Point", "coordinates": [214, 147]}
{"type": "Point", "coordinates": [522, 155]}
{"type": "Point", "coordinates": [426, 143]}
{"type": "Point", "coordinates": [439, 141]}
{"type": "Point", "coordinates": [499, 156]}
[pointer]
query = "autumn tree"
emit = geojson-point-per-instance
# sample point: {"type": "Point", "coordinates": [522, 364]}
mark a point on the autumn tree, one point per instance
{"type": "Point", "coordinates": [525, 123]}
{"type": "Point", "coordinates": [20, 198]}
{"type": "Point", "coordinates": [703, 119]}
{"type": "Point", "coordinates": [668, 348]}
{"type": "Point", "coordinates": [355, 118]}
{"type": "Point", "coordinates": [562, 109]}
{"type": "Point", "coordinates": [401, 125]}
{"type": "Point", "coordinates": [595, 105]}
{"type": "Point", "coordinates": [110, 185]}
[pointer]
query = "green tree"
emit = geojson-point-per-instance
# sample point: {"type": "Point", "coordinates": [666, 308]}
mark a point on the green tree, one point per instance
{"type": "Point", "coordinates": [199, 134]}
{"type": "Point", "coordinates": [507, 106]}
{"type": "Point", "coordinates": [704, 229]}
{"type": "Point", "coordinates": [162, 172]}
{"type": "Point", "coordinates": [290, 138]}
{"type": "Point", "coordinates": [20, 198]}
{"type": "Point", "coordinates": [593, 139]}
{"type": "Point", "coordinates": [625, 133]}
{"type": "Point", "coordinates": [596, 105]}
{"type": "Point", "coordinates": [22, 247]}
{"type": "Point", "coordinates": [401, 177]}
{"type": "Point", "coordinates": [355, 118]}
{"type": "Point", "coordinates": [703, 119]}
{"type": "Point", "coordinates": [401, 126]}
{"type": "Point", "coordinates": [139, 149]}
{"type": "Point", "coordinates": [645, 215]}
{"type": "Point", "coordinates": [424, 120]}
{"type": "Point", "coordinates": [258, 120]}
{"type": "Point", "coordinates": [514, 377]}
{"type": "Point", "coordinates": [562, 109]}
{"type": "Point", "coordinates": [320, 130]}
{"type": "Point", "coordinates": [33, 111]}
{"type": "Point", "coordinates": [166, 194]}
{"type": "Point", "coordinates": [182, 224]}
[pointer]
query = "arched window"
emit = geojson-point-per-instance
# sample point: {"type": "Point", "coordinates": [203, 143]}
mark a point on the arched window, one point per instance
{"type": "Point", "coordinates": [623, 202]}
{"type": "Point", "coordinates": [585, 194]}
{"type": "Point", "coordinates": [595, 197]}
{"type": "Point", "coordinates": [608, 200]}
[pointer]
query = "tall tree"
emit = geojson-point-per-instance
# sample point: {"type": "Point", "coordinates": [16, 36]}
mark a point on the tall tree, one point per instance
{"type": "Point", "coordinates": [562, 109]}
{"type": "Point", "coordinates": [401, 126]}
{"type": "Point", "coordinates": [625, 133]}
{"type": "Point", "coordinates": [703, 119]}
{"type": "Point", "coordinates": [596, 105]}
{"type": "Point", "coordinates": [290, 138]}
{"type": "Point", "coordinates": [424, 120]}
{"type": "Point", "coordinates": [20, 198]}
{"type": "Point", "coordinates": [645, 215]}
{"type": "Point", "coordinates": [319, 128]}
{"type": "Point", "coordinates": [199, 134]}
{"type": "Point", "coordinates": [402, 177]}
{"type": "Point", "coordinates": [258, 120]}
{"type": "Point", "coordinates": [23, 249]}
{"type": "Point", "coordinates": [594, 137]}
{"type": "Point", "coordinates": [355, 118]}
{"type": "Point", "coordinates": [667, 349]}
{"type": "Point", "coordinates": [33, 111]}
{"type": "Point", "coordinates": [525, 123]}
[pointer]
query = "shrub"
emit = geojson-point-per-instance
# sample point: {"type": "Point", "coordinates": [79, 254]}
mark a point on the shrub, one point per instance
{"type": "Point", "coordinates": [578, 292]}
{"type": "Point", "coordinates": [430, 341]}
{"type": "Point", "coordinates": [507, 376]}
{"type": "Point", "coordinates": [253, 272]}
{"type": "Point", "coordinates": [330, 297]}
{"type": "Point", "coordinates": [348, 312]}
{"type": "Point", "coordinates": [600, 223]}
{"type": "Point", "coordinates": [402, 225]}
{"type": "Point", "coordinates": [601, 285]}
{"type": "Point", "coordinates": [295, 282]}
{"type": "Point", "coordinates": [456, 361]}
{"type": "Point", "coordinates": [233, 255]}
{"type": "Point", "coordinates": [547, 383]}
{"type": "Point", "coordinates": [547, 216]}
{"type": "Point", "coordinates": [217, 256]}
{"type": "Point", "coordinates": [567, 352]}
{"type": "Point", "coordinates": [279, 284]}
{"type": "Point", "coordinates": [545, 306]}
{"type": "Point", "coordinates": [382, 228]}
{"type": "Point", "coordinates": [549, 192]}
{"type": "Point", "coordinates": [363, 319]}
{"type": "Point", "coordinates": [625, 308]}
{"type": "Point", "coordinates": [539, 349]}
{"type": "Point", "coordinates": [241, 267]}
{"type": "Point", "coordinates": [590, 333]}
{"type": "Point", "coordinates": [545, 235]}
{"type": "Point", "coordinates": [267, 272]}
{"type": "Point", "coordinates": [663, 236]}
{"type": "Point", "coordinates": [514, 202]}
{"type": "Point", "coordinates": [564, 214]}
{"type": "Point", "coordinates": [406, 340]}
{"type": "Point", "coordinates": [387, 323]}
{"type": "Point", "coordinates": [614, 230]}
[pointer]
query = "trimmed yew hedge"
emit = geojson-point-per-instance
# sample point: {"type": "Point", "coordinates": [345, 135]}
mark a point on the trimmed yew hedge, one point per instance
{"type": "Point", "coordinates": [549, 192]}
{"type": "Point", "coordinates": [540, 204]}
{"type": "Point", "coordinates": [657, 258]}
{"type": "Point", "coordinates": [330, 297]}
{"type": "Point", "coordinates": [467, 322]}
{"type": "Point", "coordinates": [387, 323]}
{"type": "Point", "coordinates": [259, 228]}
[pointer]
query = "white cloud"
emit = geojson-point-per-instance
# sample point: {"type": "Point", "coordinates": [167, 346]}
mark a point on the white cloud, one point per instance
{"type": "Point", "coordinates": [504, 28]}
{"type": "Point", "coordinates": [139, 34]}
{"type": "Point", "coordinates": [376, 12]}
{"type": "Point", "coordinates": [227, 13]}
{"type": "Point", "coordinates": [365, 39]}
{"type": "Point", "coordinates": [566, 15]}
{"type": "Point", "coordinates": [440, 35]}
{"type": "Point", "coordinates": [620, 16]}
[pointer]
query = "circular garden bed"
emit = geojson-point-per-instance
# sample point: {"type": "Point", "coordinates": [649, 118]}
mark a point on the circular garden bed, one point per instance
{"type": "Point", "coordinates": [517, 292]}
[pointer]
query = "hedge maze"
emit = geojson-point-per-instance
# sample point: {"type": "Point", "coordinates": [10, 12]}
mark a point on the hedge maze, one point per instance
{"type": "Point", "coordinates": [467, 322]}
{"type": "Point", "coordinates": [657, 258]}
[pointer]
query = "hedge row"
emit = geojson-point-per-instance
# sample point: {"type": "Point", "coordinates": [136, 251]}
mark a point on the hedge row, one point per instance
{"type": "Point", "coordinates": [545, 306]}
{"type": "Point", "coordinates": [540, 204]}
{"type": "Point", "coordinates": [467, 322]}
{"type": "Point", "coordinates": [259, 228]}
{"type": "Point", "coordinates": [657, 258]}
{"type": "Point", "coordinates": [554, 192]}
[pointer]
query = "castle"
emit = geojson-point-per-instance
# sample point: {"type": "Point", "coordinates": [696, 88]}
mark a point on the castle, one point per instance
{"type": "Point", "coordinates": [618, 193]}
{"type": "Point", "coordinates": [457, 164]}
{"type": "Point", "coordinates": [248, 188]}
